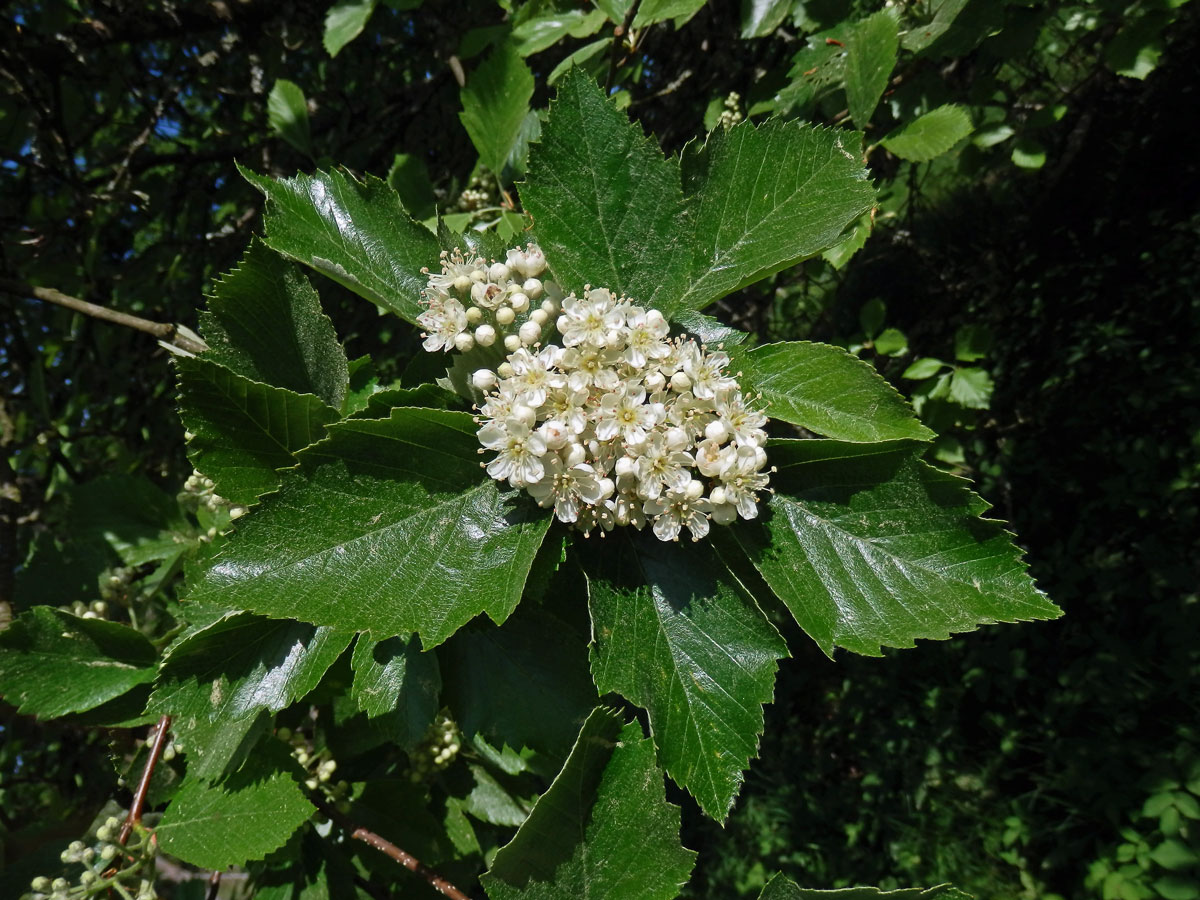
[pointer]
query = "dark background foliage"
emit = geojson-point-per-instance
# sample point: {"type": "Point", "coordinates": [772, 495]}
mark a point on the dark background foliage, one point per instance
{"type": "Point", "coordinates": [1013, 761]}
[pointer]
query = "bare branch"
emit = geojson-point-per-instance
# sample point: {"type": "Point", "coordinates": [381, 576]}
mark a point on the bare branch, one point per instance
{"type": "Point", "coordinates": [161, 330]}
{"type": "Point", "coordinates": [406, 859]}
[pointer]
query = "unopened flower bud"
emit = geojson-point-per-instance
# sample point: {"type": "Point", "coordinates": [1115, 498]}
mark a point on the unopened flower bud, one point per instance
{"type": "Point", "coordinates": [519, 302]}
{"type": "Point", "coordinates": [535, 262]}
{"type": "Point", "coordinates": [716, 431]}
{"type": "Point", "coordinates": [512, 343]}
{"type": "Point", "coordinates": [463, 341]}
{"type": "Point", "coordinates": [574, 455]}
{"type": "Point", "coordinates": [485, 335]}
{"type": "Point", "coordinates": [504, 370]}
{"type": "Point", "coordinates": [498, 272]}
{"type": "Point", "coordinates": [474, 314]}
{"type": "Point", "coordinates": [539, 316]}
{"type": "Point", "coordinates": [462, 284]}
{"type": "Point", "coordinates": [680, 382]}
{"type": "Point", "coordinates": [694, 490]}
{"type": "Point", "coordinates": [524, 414]}
{"type": "Point", "coordinates": [655, 382]}
{"type": "Point", "coordinates": [530, 332]}
{"type": "Point", "coordinates": [532, 287]}
{"type": "Point", "coordinates": [505, 316]}
{"type": "Point", "coordinates": [483, 379]}
{"type": "Point", "coordinates": [677, 439]}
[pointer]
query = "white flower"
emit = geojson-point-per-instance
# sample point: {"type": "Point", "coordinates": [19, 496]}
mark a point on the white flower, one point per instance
{"type": "Point", "coordinates": [704, 370]}
{"type": "Point", "coordinates": [534, 374]}
{"type": "Point", "coordinates": [591, 320]}
{"type": "Point", "coordinates": [660, 467]}
{"type": "Point", "coordinates": [742, 480]}
{"type": "Point", "coordinates": [563, 487]}
{"type": "Point", "coordinates": [676, 510]}
{"type": "Point", "coordinates": [626, 413]}
{"type": "Point", "coordinates": [745, 424]}
{"type": "Point", "coordinates": [520, 450]}
{"type": "Point", "coordinates": [443, 321]}
{"type": "Point", "coordinates": [590, 366]}
{"type": "Point", "coordinates": [646, 338]}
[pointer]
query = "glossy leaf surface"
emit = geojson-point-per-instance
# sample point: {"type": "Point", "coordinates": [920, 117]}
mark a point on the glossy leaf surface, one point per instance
{"type": "Point", "coordinates": [930, 135]}
{"type": "Point", "coordinates": [870, 56]}
{"type": "Point", "coordinates": [828, 391]}
{"type": "Point", "coordinates": [495, 102]}
{"type": "Point", "coordinates": [355, 232]}
{"type": "Point", "coordinates": [870, 547]}
{"type": "Point", "coordinates": [388, 526]}
{"type": "Point", "coordinates": [394, 676]}
{"type": "Point", "coordinates": [678, 636]}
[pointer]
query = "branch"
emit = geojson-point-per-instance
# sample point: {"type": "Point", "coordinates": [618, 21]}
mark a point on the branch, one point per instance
{"type": "Point", "coordinates": [143, 788]}
{"type": "Point", "coordinates": [410, 862]}
{"type": "Point", "coordinates": [162, 330]}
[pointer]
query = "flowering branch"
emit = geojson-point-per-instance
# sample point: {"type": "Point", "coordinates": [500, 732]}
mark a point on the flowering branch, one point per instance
{"type": "Point", "coordinates": [406, 859]}
{"type": "Point", "coordinates": [143, 788]}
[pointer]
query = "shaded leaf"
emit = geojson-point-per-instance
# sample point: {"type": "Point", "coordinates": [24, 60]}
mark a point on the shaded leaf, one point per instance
{"type": "Point", "coordinates": [941, 16]}
{"type": "Point", "coordinates": [355, 232]}
{"type": "Point", "coordinates": [828, 391]}
{"type": "Point", "coordinates": [929, 135]}
{"type": "Point", "coordinates": [53, 663]}
{"type": "Point", "coordinates": [394, 676]}
{"type": "Point", "coordinates": [763, 198]}
{"type": "Point", "coordinates": [971, 387]}
{"type": "Point", "coordinates": [761, 17]}
{"type": "Point", "coordinates": [388, 526]}
{"type": "Point", "coordinates": [603, 830]}
{"type": "Point", "coordinates": [264, 322]}
{"type": "Point", "coordinates": [868, 547]}
{"type": "Point", "coordinates": [139, 520]}
{"type": "Point", "coordinates": [242, 430]}
{"type": "Point", "coordinates": [651, 11]}
{"type": "Point", "coordinates": [344, 22]}
{"type": "Point", "coordinates": [678, 636]}
{"type": "Point", "coordinates": [214, 827]}
{"type": "Point", "coordinates": [287, 114]}
{"type": "Point", "coordinates": [870, 56]}
{"type": "Point", "coordinates": [526, 684]}
{"type": "Point", "coordinates": [495, 102]}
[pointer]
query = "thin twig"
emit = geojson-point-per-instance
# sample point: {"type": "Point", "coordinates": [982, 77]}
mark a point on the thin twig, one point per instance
{"type": "Point", "coordinates": [143, 788]}
{"type": "Point", "coordinates": [161, 330]}
{"type": "Point", "coordinates": [406, 859]}
{"type": "Point", "coordinates": [214, 886]}
{"type": "Point", "coordinates": [619, 31]}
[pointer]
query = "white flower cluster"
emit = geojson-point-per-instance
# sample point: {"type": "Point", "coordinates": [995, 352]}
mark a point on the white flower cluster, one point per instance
{"type": "Point", "coordinates": [617, 425]}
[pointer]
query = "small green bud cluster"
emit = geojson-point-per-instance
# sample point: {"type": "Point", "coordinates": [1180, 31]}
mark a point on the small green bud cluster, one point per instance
{"type": "Point", "coordinates": [438, 748]}
{"type": "Point", "coordinates": [200, 491]}
{"type": "Point", "coordinates": [731, 114]}
{"type": "Point", "coordinates": [100, 874]}
{"type": "Point", "coordinates": [475, 196]}
{"type": "Point", "coordinates": [320, 765]}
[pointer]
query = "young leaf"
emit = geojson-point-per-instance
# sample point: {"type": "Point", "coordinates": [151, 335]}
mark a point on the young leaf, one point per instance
{"type": "Point", "coordinates": [355, 232]}
{"type": "Point", "coordinates": [761, 17]}
{"type": "Point", "coordinates": [605, 202]}
{"type": "Point", "coordinates": [214, 827]}
{"type": "Point", "coordinates": [495, 102]}
{"type": "Point", "coordinates": [243, 431]}
{"type": "Point", "coordinates": [603, 830]}
{"type": "Point", "coordinates": [869, 547]}
{"type": "Point", "coordinates": [264, 322]}
{"type": "Point", "coordinates": [828, 391]}
{"type": "Point", "coordinates": [921, 35]}
{"type": "Point", "coordinates": [388, 526]}
{"type": "Point", "coordinates": [929, 135]}
{"type": "Point", "coordinates": [678, 636]}
{"type": "Point", "coordinates": [762, 198]}
{"type": "Point", "coordinates": [344, 22]}
{"type": "Point", "coordinates": [287, 114]}
{"type": "Point", "coordinates": [217, 680]}
{"type": "Point", "coordinates": [524, 685]}
{"type": "Point", "coordinates": [53, 663]}
{"type": "Point", "coordinates": [394, 676]}
{"type": "Point", "coordinates": [870, 55]}
{"type": "Point", "coordinates": [783, 888]}
{"type": "Point", "coordinates": [652, 11]}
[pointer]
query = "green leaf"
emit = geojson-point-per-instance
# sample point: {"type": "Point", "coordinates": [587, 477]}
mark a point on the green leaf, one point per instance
{"type": "Point", "coordinates": [828, 391]}
{"type": "Point", "coordinates": [783, 888]}
{"type": "Point", "coordinates": [287, 114]}
{"type": "Point", "coordinates": [1028, 153]}
{"type": "Point", "coordinates": [971, 387]}
{"type": "Point", "coordinates": [524, 685]}
{"type": "Point", "coordinates": [53, 663]}
{"type": "Point", "coordinates": [355, 232]}
{"type": "Point", "coordinates": [605, 202]}
{"type": "Point", "coordinates": [972, 343]}
{"type": "Point", "coordinates": [762, 17]}
{"type": "Point", "coordinates": [708, 330]}
{"type": "Point", "coordinates": [870, 56]}
{"type": "Point", "coordinates": [1174, 854]}
{"type": "Point", "coordinates": [603, 830]}
{"type": "Point", "coordinates": [490, 802]}
{"type": "Point", "coordinates": [243, 431]}
{"type": "Point", "coordinates": [388, 526]}
{"type": "Point", "coordinates": [217, 680]}
{"type": "Point", "coordinates": [214, 827]}
{"type": "Point", "coordinates": [929, 135]}
{"type": "Point", "coordinates": [394, 676]}
{"type": "Point", "coordinates": [1177, 887]}
{"type": "Point", "coordinates": [539, 33]}
{"type": "Point", "coordinates": [344, 22]}
{"type": "Point", "coordinates": [616, 10]}
{"type": "Point", "coordinates": [763, 198]}
{"type": "Point", "coordinates": [679, 637]}
{"type": "Point", "coordinates": [581, 56]}
{"type": "Point", "coordinates": [495, 101]}
{"type": "Point", "coordinates": [409, 177]}
{"type": "Point", "coordinates": [942, 14]}
{"type": "Point", "coordinates": [841, 252]}
{"type": "Point", "coordinates": [139, 520]}
{"type": "Point", "coordinates": [868, 546]}
{"type": "Point", "coordinates": [891, 342]}
{"type": "Point", "coordinates": [923, 368]}
{"type": "Point", "coordinates": [653, 11]}
{"type": "Point", "coordinates": [872, 316]}
{"type": "Point", "coordinates": [264, 322]}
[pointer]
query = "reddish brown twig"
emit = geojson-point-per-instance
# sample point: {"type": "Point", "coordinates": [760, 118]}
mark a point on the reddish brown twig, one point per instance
{"type": "Point", "coordinates": [406, 859]}
{"type": "Point", "coordinates": [214, 886]}
{"type": "Point", "coordinates": [143, 788]}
